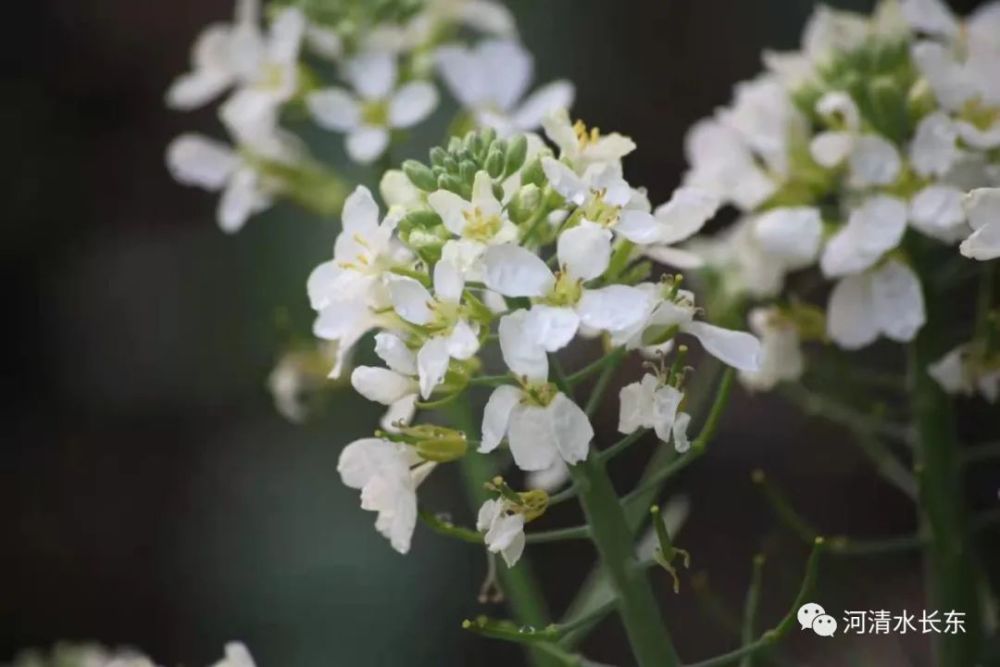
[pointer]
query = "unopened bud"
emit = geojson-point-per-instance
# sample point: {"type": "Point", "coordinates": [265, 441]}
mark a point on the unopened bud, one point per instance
{"type": "Point", "coordinates": [436, 443]}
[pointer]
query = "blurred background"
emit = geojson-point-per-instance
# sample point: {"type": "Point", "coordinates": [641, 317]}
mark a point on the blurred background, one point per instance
{"type": "Point", "coordinates": [150, 495]}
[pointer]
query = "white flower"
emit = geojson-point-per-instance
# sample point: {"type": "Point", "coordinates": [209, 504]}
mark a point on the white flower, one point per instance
{"type": "Point", "coordinates": [563, 304]}
{"type": "Point", "coordinates": [831, 147]}
{"type": "Point", "coordinates": [388, 474]}
{"type": "Point", "coordinates": [790, 236]}
{"type": "Point", "coordinates": [479, 222]}
{"type": "Point", "coordinates": [885, 301]}
{"type": "Point", "coordinates": [934, 149]}
{"type": "Point", "coordinates": [738, 349]}
{"type": "Point", "coordinates": [651, 404]}
{"type": "Point", "coordinates": [237, 655]}
{"type": "Point", "coordinates": [453, 338]}
{"type": "Point", "coordinates": [238, 54]}
{"type": "Point", "coordinates": [606, 199]}
{"type": "Point", "coordinates": [504, 530]}
{"type": "Point", "coordinates": [937, 212]}
{"type": "Point", "coordinates": [675, 221]}
{"type": "Point", "coordinates": [212, 165]}
{"type": "Point", "coordinates": [781, 358]}
{"type": "Point", "coordinates": [873, 229]}
{"type": "Point", "coordinates": [982, 207]}
{"type": "Point", "coordinates": [438, 17]}
{"type": "Point", "coordinates": [350, 290]}
{"type": "Point", "coordinates": [722, 162]}
{"type": "Point", "coordinates": [266, 73]}
{"type": "Point", "coordinates": [743, 265]}
{"type": "Point", "coordinates": [873, 161]}
{"type": "Point", "coordinates": [376, 107]}
{"type": "Point", "coordinates": [580, 147]}
{"type": "Point", "coordinates": [960, 371]}
{"type": "Point", "coordinates": [490, 80]}
{"type": "Point", "coordinates": [296, 376]}
{"type": "Point", "coordinates": [538, 432]}
{"type": "Point", "coordinates": [396, 386]}
{"type": "Point", "coordinates": [931, 17]}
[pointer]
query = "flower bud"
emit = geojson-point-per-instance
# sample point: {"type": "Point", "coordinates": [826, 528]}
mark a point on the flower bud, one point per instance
{"type": "Point", "coordinates": [436, 443]}
{"type": "Point", "coordinates": [420, 175]}
{"type": "Point", "coordinates": [517, 150]}
{"type": "Point", "coordinates": [533, 173]}
{"type": "Point", "coordinates": [533, 504]}
{"type": "Point", "coordinates": [524, 203]}
{"type": "Point", "coordinates": [494, 161]}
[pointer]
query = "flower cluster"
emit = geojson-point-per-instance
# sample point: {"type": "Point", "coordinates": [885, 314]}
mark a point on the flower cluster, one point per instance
{"type": "Point", "coordinates": [873, 145]}
{"type": "Point", "coordinates": [94, 655]}
{"type": "Point", "coordinates": [363, 69]}
{"type": "Point", "coordinates": [528, 244]}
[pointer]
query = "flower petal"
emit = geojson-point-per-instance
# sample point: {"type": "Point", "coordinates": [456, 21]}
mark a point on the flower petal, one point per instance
{"type": "Point", "coordinates": [734, 348]}
{"type": "Point", "coordinates": [522, 351]}
{"type": "Point", "coordinates": [393, 351]}
{"type": "Point", "coordinates": [686, 213]}
{"type": "Point", "coordinates": [898, 301]}
{"type": "Point", "coordinates": [791, 234]}
{"type": "Point", "coordinates": [531, 437]}
{"type": "Point", "coordinates": [613, 308]}
{"type": "Point", "coordinates": [412, 103]}
{"type": "Point", "coordinates": [851, 320]}
{"type": "Point", "coordinates": [496, 416]}
{"type": "Point", "coordinates": [873, 161]}
{"type": "Point", "coordinates": [432, 364]}
{"type": "Point", "coordinates": [542, 102]}
{"type": "Point", "coordinates": [410, 300]}
{"type": "Point", "coordinates": [571, 428]}
{"type": "Point", "coordinates": [197, 160]}
{"type": "Point", "coordinates": [515, 271]}
{"type": "Point", "coordinates": [366, 144]}
{"type": "Point", "coordinates": [334, 109]}
{"type": "Point", "coordinates": [381, 384]}
{"type": "Point", "coordinates": [372, 74]}
{"type": "Point", "coordinates": [585, 250]}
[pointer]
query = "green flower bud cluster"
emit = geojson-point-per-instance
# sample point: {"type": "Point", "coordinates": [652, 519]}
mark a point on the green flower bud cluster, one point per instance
{"type": "Point", "coordinates": [455, 166]}
{"type": "Point", "coordinates": [881, 79]}
{"type": "Point", "coordinates": [349, 17]}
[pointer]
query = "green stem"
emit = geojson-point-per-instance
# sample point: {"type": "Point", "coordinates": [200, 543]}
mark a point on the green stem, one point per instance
{"type": "Point", "coordinates": [751, 605]}
{"type": "Point", "coordinates": [771, 637]}
{"type": "Point", "coordinates": [637, 606]}
{"type": "Point", "coordinates": [949, 564]}
{"type": "Point", "coordinates": [614, 359]}
{"type": "Point", "coordinates": [558, 535]}
{"type": "Point", "coordinates": [526, 602]}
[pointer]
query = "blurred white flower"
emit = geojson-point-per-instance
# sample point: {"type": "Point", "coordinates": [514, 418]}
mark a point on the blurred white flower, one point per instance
{"type": "Point", "coordinates": [214, 166]}
{"type": "Point", "coordinates": [962, 371]}
{"type": "Point", "coordinates": [781, 358]}
{"type": "Point", "coordinates": [872, 230]}
{"type": "Point", "coordinates": [884, 301]}
{"type": "Point", "coordinates": [374, 108]}
{"type": "Point", "coordinates": [982, 207]}
{"type": "Point", "coordinates": [490, 80]}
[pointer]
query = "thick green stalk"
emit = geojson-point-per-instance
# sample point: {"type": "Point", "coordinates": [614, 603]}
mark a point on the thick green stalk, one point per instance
{"type": "Point", "coordinates": [950, 567]}
{"type": "Point", "coordinates": [610, 531]}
